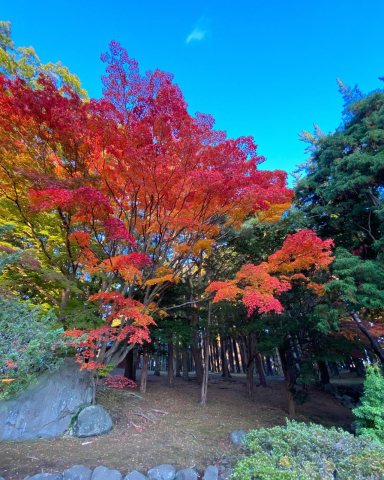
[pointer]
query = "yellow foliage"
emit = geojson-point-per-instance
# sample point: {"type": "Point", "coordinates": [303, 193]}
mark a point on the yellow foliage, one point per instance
{"type": "Point", "coordinates": [181, 249]}
{"type": "Point", "coordinates": [203, 246]}
{"type": "Point", "coordinates": [167, 278]}
{"type": "Point", "coordinates": [162, 271]}
{"type": "Point", "coordinates": [274, 212]}
{"type": "Point", "coordinates": [116, 322]}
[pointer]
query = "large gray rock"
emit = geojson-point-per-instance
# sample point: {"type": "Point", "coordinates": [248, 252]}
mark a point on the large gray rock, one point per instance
{"type": "Point", "coordinates": [211, 473]}
{"type": "Point", "coordinates": [332, 389]}
{"type": "Point", "coordinates": [135, 475]}
{"type": "Point", "coordinates": [238, 437]}
{"type": "Point", "coordinates": [162, 472]}
{"type": "Point", "coordinates": [186, 474]}
{"type": "Point", "coordinates": [103, 473]}
{"type": "Point", "coordinates": [78, 472]}
{"type": "Point", "coordinates": [45, 476]}
{"type": "Point", "coordinates": [46, 408]}
{"type": "Point", "coordinates": [93, 420]}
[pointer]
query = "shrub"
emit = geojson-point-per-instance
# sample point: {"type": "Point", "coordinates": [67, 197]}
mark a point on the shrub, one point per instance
{"type": "Point", "coordinates": [370, 415]}
{"type": "Point", "coordinates": [301, 451]}
{"type": "Point", "coordinates": [118, 381]}
{"type": "Point", "coordinates": [28, 345]}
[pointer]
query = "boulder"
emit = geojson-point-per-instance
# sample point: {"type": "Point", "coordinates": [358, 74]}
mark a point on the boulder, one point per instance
{"type": "Point", "coordinates": [162, 472]}
{"type": "Point", "coordinates": [332, 389]}
{"type": "Point", "coordinates": [93, 420]}
{"type": "Point", "coordinates": [186, 474]}
{"type": "Point", "coordinates": [211, 473]}
{"type": "Point", "coordinates": [103, 473]}
{"type": "Point", "coordinates": [45, 476]}
{"type": "Point", "coordinates": [78, 472]}
{"type": "Point", "coordinates": [45, 409]}
{"type": "Point", "coordinates": [135, 475]}
{"type": "Point", "coordinates": [238, 437]}
{"type": "Point", "coordinates": [347, 398]}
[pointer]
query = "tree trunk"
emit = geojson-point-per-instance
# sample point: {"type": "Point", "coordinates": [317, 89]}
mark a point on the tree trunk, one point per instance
{"type": "Point", "coordinates": [324, 374]}
{"type": "Point", "coordinates": [259, 364]}
{"type": "Point", "coordinates": [157, 360]}
{"type": "Point", "coordinates": [184, 356]}
{"type": "Point", "coordinates": [278, 363]}
{"type": "Point", "coordinates": [236, 355]}
{"type": "Point", "coordinates": [230, 354]}
{"type": "Point", "coordinates": [178, 359]}
{"type": "Point", "coordinates": [144, 371]}
{"type": "Point", "coordinates": [243, 355]}
{"type": "Point", "coordinates": [130, 367]}
{"type": "Point", "coordinates": [250, 364]}
{"type": "Point", "coordinates": [269, 365]}
{"type": "Point", "coordinates": [224, 360]}
{"type": "Point", "coordinates": [217, 356]}
{"type": "Point", "coordinates": [204, 385]}
{"type": "Point", "coordinates": [196, 353]}
{"type": "Point", "coordinates": [171, 381]}
{"type": "Point", "coordinates": [289, 381]}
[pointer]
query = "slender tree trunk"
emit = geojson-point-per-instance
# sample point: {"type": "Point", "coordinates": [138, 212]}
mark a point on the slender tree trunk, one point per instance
{"type": "Point", "coordinates": [157, 360]}
{"type": "Point", "coordinates": [217, 356]}
{"type": "Point", "coordinates": [243, 355]}
{"type": "Point", "coordinates": [269, 365]}
{"type": "Point", "coordinates": [259, 364]}
{"type": "Point", "coordinates": [171, 381]}
{"type": "Point", "coordinates": [204, 385]}
{"type": "Point", "coordinates": [144, 371]}
{"type": "Point", "coordinates": [184, 356]}
{"type": "Point", "coordinates": [236, 355]}
{"type": "Point", "coordinates": [278, 363]}
{"type": "Point", "coordinates": [196, 353]}
{"type": "Point", "coordinates": [224, 360]}
{"type": "Point", "coordinates": [324, 374]}
{"type": "Point", "coordinates": [130, 367]}
{"type": "Point", "coordinates": [178, 359]}
{"type": "Point", "coordinates": [250, 364]}
{"type": "Point", "coordinates": [230, 354]}
{"type": "Point", "coordinates": [289, 381]}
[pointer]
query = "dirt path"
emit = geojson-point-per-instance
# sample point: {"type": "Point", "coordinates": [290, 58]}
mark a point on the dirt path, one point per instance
{"type": "Point", "coordinates": [188, 435]}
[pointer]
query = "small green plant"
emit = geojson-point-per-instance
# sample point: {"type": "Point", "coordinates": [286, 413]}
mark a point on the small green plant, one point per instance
{"type": "Point", "coordinates": [370, 414]}
{"type": "Point", "coordinates": [105, 370]}
{"type": "Point", "coordinates": [299, 451]}
{"type": "Point", "coordinates": [28, 345]}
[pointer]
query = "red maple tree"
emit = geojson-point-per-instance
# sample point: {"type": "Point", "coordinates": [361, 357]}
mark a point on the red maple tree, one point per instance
{"type": "Point", "coordinates": [133, 186]}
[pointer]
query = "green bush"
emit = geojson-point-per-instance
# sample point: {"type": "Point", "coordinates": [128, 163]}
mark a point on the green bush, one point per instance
{"type": "Point", "coordinates": [300, 451]}
{"type": "Point", "coordinates": [28, 345]}
{"type": "Point", "coordinates": [370, 415]}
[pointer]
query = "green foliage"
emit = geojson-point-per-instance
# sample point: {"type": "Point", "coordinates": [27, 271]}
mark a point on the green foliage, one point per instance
{"type": "Point", "coordinates": [370, 415]}
{"type": "Point", "coordinates": [28, 345]}
{"type": "Point", "coordinates": [24, 62]}
{"type": "Point", "coordinates": [106, 370]}
{"type": "Point", "coordinates": [360, 282]}
{"type": "Point", "coordinates": [298, 451]}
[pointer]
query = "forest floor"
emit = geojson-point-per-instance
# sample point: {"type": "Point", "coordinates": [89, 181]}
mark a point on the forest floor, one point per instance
{"type": "Point", "coordinates": [187, 436]}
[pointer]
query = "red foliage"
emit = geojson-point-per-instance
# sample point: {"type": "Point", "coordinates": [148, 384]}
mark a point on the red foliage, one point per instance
{"type": "Point", "coordinates": [116, 230]}
{"type": "Point", "coordinates": [118, 381]}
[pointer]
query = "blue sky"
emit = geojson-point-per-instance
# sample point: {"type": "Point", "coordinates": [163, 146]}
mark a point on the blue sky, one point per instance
{"type": "Point", "coordinates": [266, 69]}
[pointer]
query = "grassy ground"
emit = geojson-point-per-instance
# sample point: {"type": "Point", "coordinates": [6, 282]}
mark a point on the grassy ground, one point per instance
{"type": "Point", "coordinates": [188, 435]}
